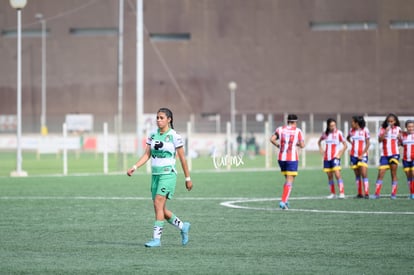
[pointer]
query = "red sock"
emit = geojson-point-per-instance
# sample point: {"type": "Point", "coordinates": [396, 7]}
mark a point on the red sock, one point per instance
{"type": "Point", "coordinates": [332, 188]}
{"type": "Point", "coordinates": [412, 187]}
{"type": "Point", "coordinates": [366, 186]}
{"type": "Point", "coordinates": [359, 184]}
{"type": "Point", "coordinates": [286, 191]}
{"type": "Point", "coordinates": [378, 189]}
{"type": "Point", "coordinates": [341, 188]}
{"type": "Point", "coordinates": [394, 188]}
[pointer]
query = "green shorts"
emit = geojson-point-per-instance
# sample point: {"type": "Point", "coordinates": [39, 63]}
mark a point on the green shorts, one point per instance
{"type": "Point", "coordinates": [163, 185]}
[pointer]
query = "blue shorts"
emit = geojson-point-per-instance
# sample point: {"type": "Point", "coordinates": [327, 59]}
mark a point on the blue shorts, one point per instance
{"type": "Point", "coordinates": [289, 168]}
{"type": "Point", "coordinates": [385, 162]}
{"type": "Point", "coordinates": [408, 165]}
{"type": "Point", "coordinates": [331, 165]}
{"type": "Point", "coordinates": [356, 162]}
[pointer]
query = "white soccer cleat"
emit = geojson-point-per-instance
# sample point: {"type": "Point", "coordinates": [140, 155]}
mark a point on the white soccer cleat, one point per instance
{"type": "Point", "coordinates": [331, 196]}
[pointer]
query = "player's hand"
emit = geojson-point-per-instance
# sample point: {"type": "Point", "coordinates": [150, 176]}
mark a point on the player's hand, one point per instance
{"type": "Point", "coordinates": [131, 171]}
{"type": "Point", "coordinates": [189, 185]}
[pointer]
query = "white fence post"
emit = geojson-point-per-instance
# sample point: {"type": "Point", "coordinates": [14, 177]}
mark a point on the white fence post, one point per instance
{"type": "Point", "coordinates": [268, 146]}
{"type": "Point", "coordinates": [105, 148]}
{"type": "Point", "coordinates": [303, 151]}
{"type": "Point", "coordinates": [311, 123]}
{"type": "Point", "coordinates": [346, 158]}
{"type": "Point", "coordinates": [189, 160]}
{"type": "Point", "coordinates": [228, 144]}
{"type": "Point", "coordinates": [65, 150]}
{"type": "Point", "coordinates": [147, 132]}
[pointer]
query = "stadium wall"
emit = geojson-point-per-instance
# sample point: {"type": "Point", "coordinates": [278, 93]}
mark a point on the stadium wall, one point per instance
{"type": "Point", "coordinates": [280, 62]}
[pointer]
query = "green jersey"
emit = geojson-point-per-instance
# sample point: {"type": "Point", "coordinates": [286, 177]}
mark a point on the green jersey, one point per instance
{"type": "Point", "coordinates": [163, 150]}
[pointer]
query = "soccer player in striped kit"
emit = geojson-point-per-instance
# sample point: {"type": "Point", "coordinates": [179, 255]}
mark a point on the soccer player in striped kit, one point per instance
{"type": "Point", "coordinates": [359, 138]}
{"type": "Point", "coordinates": [333, 139]}
{"type": "Point", "coordinates": [407, 141]}
{"type": "Point", "coordinates": [388, 137]}
{"type": "Point", "coordinates": [290, 137]}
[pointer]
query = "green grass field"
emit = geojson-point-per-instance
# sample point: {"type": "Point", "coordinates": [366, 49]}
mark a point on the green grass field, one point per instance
{"type": "Point", "coordinates": [98, 225]}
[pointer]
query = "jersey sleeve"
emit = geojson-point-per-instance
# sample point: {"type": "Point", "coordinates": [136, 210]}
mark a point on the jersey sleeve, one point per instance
{"type": "Point", "coordinates": [300, 136]}
{"type": "Point", "coordinates": [178, 140]}
{"type": "Point", "coordinates": [341, 136]}
{"type": "Point", "coordinates": [367, 134]}
{"type": "Point", "coordinates": [150, 137]}
{"type": "Point", "coordinates": [277, 132]}
{"type": "Point", "coordinates": [381, 131]}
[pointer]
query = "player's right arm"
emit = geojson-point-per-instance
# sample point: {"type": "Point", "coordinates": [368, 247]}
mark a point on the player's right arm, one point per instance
{"type": "Point", "coordinates": [273, 140]}
{"type": "Point", "coordinates": [321, 150]}
{"type": "Point", "coordinates": [144, 158]}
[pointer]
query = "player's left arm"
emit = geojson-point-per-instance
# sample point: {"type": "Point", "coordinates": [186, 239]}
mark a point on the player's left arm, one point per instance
{"type": "Point", "coordinates": [301, 142]}
{"type": "Point", "coordinates": [341, 152]}
{"type": "Point", "coordinates": [181, 157]}
{"type": "Point", "coordinates": [367, 145]}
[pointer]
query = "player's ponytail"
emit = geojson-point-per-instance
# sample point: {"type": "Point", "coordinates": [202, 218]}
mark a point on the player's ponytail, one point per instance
{"type": "Point", "coordinates": [169, 114]}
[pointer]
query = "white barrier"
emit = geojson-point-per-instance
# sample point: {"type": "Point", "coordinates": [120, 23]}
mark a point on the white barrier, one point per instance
{"type": "Point", "coordinates": [218, 145]}
{"type": "Point", "coordinates": [65, 150]}
{"type": "Point", "coordinates": [105, 150]}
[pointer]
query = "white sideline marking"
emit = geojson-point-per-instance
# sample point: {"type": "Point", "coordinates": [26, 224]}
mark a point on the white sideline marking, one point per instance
{"type": "Point", "coordinates": [103, 198]}
{"type": "Point", "coordinates": [233, 204]}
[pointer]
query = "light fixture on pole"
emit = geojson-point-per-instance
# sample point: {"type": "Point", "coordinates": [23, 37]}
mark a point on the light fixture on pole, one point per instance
{"type": "Point", "coordinates": [43, 127]}
{"type": "Point", "coordinates": [232, 88]}
{"type": "Point", "coordinates": [19, 5]}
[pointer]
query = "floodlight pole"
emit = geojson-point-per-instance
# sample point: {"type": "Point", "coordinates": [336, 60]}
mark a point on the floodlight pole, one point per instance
{"type": "Point", "coordinates": [120, 78]}
{"type": "Point", "coordinates": [140, 76]}
{"type": "Point", "coordinates": [43, 127]}
{"type": "Point", "coordinates": [19, 5]}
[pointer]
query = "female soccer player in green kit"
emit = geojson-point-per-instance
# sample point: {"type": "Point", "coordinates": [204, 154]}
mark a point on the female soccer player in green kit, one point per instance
{"type": "Point", "coordinates": [162, 146]}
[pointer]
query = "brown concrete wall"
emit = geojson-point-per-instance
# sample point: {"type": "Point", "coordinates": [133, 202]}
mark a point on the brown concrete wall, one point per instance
{"type": "Point", "coordinates": [266, 46]}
